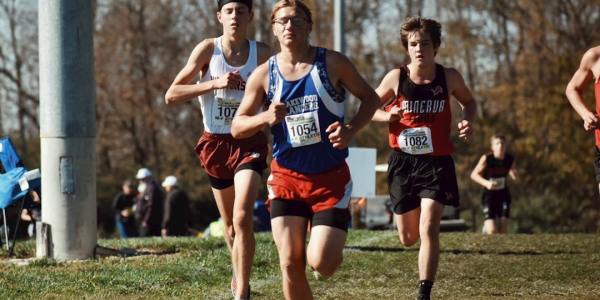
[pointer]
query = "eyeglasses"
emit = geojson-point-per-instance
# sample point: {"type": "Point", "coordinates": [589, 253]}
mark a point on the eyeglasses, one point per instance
{"type": "Point", "coordinates": [296, 21]}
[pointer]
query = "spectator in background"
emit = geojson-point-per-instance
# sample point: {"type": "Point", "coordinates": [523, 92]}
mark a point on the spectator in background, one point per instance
{"type": "Point", "coordinates": [123, 209]}
{"type": "Point", "coordinates": [356, 210]}
{"type": "Point", "coordinates": [32, 212]}
{"type": "Point", "coordinates": [491, 173]}
{"type": "Point", "coordinates": [149, 204]}
{"type": "Point", "coordinates": [177, 209]}
{"type": "Point", "coordinates": [262, 217]}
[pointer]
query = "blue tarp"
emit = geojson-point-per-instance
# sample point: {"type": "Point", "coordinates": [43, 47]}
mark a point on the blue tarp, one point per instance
{"type": "Point", "coordinates": [8, 155]}
{"type": "Point", "coordinates": [10, 191]}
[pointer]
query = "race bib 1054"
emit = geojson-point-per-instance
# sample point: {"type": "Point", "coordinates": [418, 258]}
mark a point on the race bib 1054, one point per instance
{"type": "Point", "coordinates": [303, 129]}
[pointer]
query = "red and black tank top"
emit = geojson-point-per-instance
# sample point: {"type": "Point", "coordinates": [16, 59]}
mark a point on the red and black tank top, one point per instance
{"type": "Point", "coordinates": [597, 92]}
{"type": "Point", "coordinates": [495, 168]}
{"type": "Point", "coordinates": [424, 128]}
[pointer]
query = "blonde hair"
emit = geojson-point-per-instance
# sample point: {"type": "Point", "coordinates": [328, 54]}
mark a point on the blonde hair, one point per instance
{"type": "Point", "coordinates": [292, 3]}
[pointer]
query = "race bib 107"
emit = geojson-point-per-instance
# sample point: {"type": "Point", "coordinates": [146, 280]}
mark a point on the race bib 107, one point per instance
{"type": "Point", "coordinates": [224, 111]}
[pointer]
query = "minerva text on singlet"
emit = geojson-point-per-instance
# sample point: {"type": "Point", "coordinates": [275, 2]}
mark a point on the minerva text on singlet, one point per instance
{"type": "Point", "coordinates": [423, 106]}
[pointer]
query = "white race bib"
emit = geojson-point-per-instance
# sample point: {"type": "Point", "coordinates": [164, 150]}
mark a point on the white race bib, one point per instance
{"type": "Point", "coordinates": [416, 140]}
{"type": "Point", "coordinates": [224, 110]}
{"type": "Point", "coordinates": [303, 129]}
{"type": "Point", "coordinates": [500, 183]}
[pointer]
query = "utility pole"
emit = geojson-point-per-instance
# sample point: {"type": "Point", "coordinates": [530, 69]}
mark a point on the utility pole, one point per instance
{"type": "Point", "coordinates": [339, 43]}
{"type": "Point", "coordinates": [339, 40]}
{"type": "Point", "coordinates": [67, 129]}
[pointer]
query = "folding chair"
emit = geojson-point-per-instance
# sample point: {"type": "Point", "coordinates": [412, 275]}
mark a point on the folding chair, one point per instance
{"type": "Point", "coordinates": [15, 184]}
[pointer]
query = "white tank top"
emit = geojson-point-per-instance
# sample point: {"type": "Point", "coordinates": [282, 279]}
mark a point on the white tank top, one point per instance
{"type": "Point", "coordinates": [219, 106]}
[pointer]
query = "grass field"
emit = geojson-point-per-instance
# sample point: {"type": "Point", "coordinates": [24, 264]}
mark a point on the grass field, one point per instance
{"type": "Point", "coordinates": [376, 266]}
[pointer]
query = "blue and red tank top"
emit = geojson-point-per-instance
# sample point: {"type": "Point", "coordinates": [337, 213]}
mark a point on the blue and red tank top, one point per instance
{"type": "Point", "coordinates": [424, 128]}
{"type": "Point", "coordinates": [300, 142]}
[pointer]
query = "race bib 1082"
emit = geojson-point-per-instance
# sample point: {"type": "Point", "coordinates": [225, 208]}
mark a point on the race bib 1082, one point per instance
{"type": "Point", "coordinates": [416, 140]}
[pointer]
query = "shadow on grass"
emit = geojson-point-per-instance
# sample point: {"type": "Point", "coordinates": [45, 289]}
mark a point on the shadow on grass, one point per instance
{"type": "Point", "coordinates": [379, 249]}
{"type": "Point", "coordinates": [524, 252]}
{"type": "Point", "coordinates": [101, 251]}
{"type": "Point", "coordinates": [458, 251]}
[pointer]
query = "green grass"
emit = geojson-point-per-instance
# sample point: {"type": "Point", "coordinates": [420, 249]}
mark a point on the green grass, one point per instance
{"type": "Point", "coordinates": [376, 266]}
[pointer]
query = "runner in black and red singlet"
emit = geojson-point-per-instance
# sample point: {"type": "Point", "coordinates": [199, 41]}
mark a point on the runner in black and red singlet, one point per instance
{"type": "Point", "coordinates": [421, 176]}
{"type": "Point", "coordinates": [491, 172]}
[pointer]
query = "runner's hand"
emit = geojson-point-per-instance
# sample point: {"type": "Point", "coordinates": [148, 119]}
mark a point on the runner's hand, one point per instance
{"type": "Point", "coordinates": [464, 130]}
{"type": "Point", "coordinates": [339, 135]}
{"type": "Point", "coordinates": [491, 185]}
{"type": "Point", "coordinates": [231, 80]}
{"type": "Point", "coordinates": [395, 114]}
{"type": "Point", "coordinates": [276, 113]}
{"type": "Point", "coordinates": [590, 121]}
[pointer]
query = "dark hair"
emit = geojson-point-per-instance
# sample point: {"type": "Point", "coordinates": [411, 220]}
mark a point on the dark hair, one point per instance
{"type": "Point", "coordinates": [412, 24]}
{"type": "Point", "coordinates": [292, 3]}
{"type": "Point", "coordinates": [221, 3]}
{"type": "Point", "coordinates": [498, 136]}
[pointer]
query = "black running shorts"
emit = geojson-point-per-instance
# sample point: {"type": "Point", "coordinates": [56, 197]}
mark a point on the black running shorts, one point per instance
{"type": "Point", "coordinates": [413, 177]}
{"type": "Point", "coordinates": [597, 164]}
{"type": "Point", "coordinates": [333, 217]}
{"type": "Point", "coordinates": [496, 204]}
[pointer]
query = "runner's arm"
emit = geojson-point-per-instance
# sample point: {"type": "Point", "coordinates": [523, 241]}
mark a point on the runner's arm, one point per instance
{"type": "Point", "coordinates": [386, 91]}
{"type": "Point", "coordinates": [183, 88]}
{"type": "Point", "coordinates": [247, 122]}
{"type": "Point", "coordinates": [465, 98]}
{"type": "Point", "coordinates": [349, 77]}
{"type": "Point", "coordinates": [477, 173]}
{"type": "Point", "coordinates": [514, 175]}
{"type": "Point", "coordinates": [582, 77]}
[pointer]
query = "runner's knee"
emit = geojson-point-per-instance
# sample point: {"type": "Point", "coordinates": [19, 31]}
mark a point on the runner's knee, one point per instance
{"type": "Point", "coordinates": [242, 220]}
{"type": "Point", "coordinates": [292, 265]}
{"type": "Point", "coordinates": [408, 238]}
{"type": "Point", "coordinates": [428, 229]}
{"type": "Point", "coordinates": [325, 266]}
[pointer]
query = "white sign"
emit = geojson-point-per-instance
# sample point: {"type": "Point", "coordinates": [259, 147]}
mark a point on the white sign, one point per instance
{"type": "Point", "coordinates": [362, 168]}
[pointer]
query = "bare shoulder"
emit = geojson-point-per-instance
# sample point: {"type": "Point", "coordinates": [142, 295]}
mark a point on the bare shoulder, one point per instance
{"type": "Point", "coordinates": [394, 74]}
{"type": "Point", "coordinates": [454, 78]}
{"type": "Point", "coordinates": [391, 79]}
{"type": "Point", "coordinates": [591, 56]}
{"type": "Point", "coordinates": [334, 58]}
{"type": "Point", "coordinates": [203, 50]}
{"type": "Point", "coordinates": [261, 70]}
{"type": "Point", "coordinates": [452, 73]}
{"type": "Point", "coordinates": [595, 51]}
{"type": "Point", "coordinates": [206, 44]}
{"type": "Point", "coordinates": [260, 76]}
